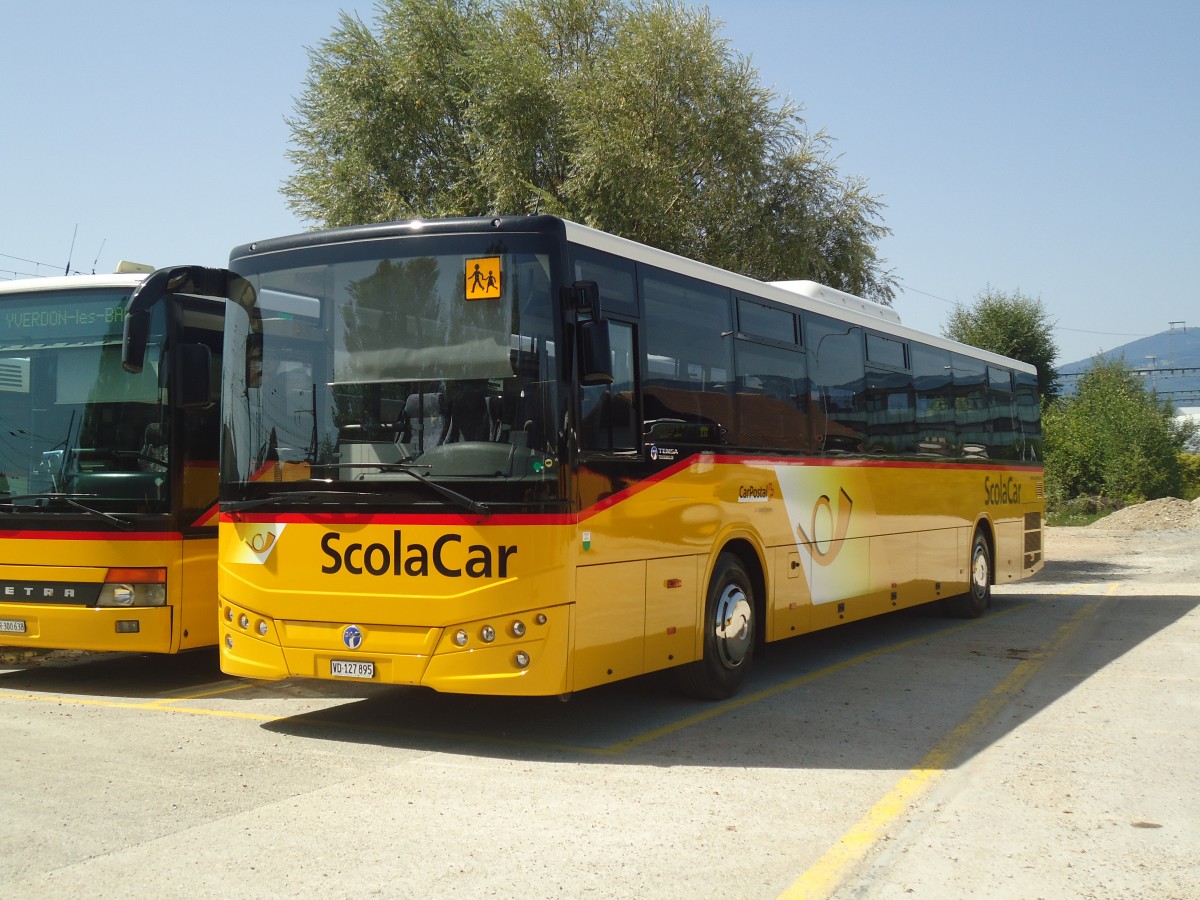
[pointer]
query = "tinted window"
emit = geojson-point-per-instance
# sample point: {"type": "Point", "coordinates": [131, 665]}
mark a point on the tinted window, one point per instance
{"type": "Point", "coordinates": [933, 385]}
{"type": "Point", "coordinates": [763, 321]}
{"type": "Point", "coordinates": [613, 275]}
{"type": "Point", "coordinates": [887, 351]}
{"type": "Point", "coordinates": [688, 329]}
{"type": "Point", "coordinates": [836, 370]}
{"type": "Point", "coordinates": [890, 409]}
{"type": "Point", "coordinates": [970, 405]}
{"type": "Point", "coordinates": [1029, 419]}
{"type": "Point", "coordinates": [1002, 442]}
{"type": "Point", "coordinates": [608, 411]}
{"type": "Point", "coordinates": [772, 397]}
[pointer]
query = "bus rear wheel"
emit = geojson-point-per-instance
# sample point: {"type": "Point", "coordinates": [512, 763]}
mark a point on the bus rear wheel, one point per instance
{"type": "Point", "coordinates": [729, 634]}
{"type": "Point", "coordinates": [979, 593]}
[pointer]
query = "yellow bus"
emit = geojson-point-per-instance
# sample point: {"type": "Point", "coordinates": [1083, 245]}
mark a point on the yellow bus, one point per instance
{"type": "Point", "coordinates": [108, 481]}
{"type": "Point", "coordinates": [523, 456]}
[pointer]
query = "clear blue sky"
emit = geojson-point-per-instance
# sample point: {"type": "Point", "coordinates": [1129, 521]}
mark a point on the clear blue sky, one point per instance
{"type": "Point", "coordinates": [1051, 147]}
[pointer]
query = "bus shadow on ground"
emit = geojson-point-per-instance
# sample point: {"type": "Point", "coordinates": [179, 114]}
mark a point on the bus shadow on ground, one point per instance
{"type": "Point", "coordinates": [129, 675]}
{"type": "Point", "coordinates": [875, 693]}
{"type": "Point", "coordinates": [872, 694]}
{"type": "Point", "coordinates": [1071, 571]}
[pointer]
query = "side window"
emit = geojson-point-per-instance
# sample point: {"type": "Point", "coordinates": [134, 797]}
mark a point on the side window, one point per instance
{"type": "Point", "coordinates": [890, 409]}
{"type": "Point", "coordinates": [837, 372]}
{"type": "Point", "coordinates": [761, 321]}
{"type": "Point", "coordinates": [970, 405]}
{"type": "Point", "coordinates": [771, 390]}
{"type": "Point", "coordinates": [688, 366]}
{"type": "Point", "coordinates": [613, 275]}
{"type": "Point", "coordinates": [890, 404]}
{"type": "Point", "coordinates": [933, 384]}
{"type": "Point", "coordinates": [608, 412]}
{"type": "Point", "coordinates": [1029, 415]}
{"type": "Point", "coordinates": [1003, 437]}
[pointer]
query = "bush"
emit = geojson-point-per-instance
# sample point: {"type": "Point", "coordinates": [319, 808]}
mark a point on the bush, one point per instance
{"type": "Point", "coordinates": [1113, 439]}
{"type": "Point", "coordinates": [1189, 464]}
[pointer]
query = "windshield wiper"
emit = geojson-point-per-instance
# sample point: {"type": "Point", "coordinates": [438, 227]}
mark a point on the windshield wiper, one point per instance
{"type": "Point", "coordinates": [480, 509]}
{"type": "Point", "coordinates": [473, 506]}
{"type": "Point", "coordinates": [70, 500]}
{"type": "Point", "coordinates": [280, 496]}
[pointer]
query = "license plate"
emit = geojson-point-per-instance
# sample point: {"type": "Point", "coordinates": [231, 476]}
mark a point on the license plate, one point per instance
{"type": "Point", "coordinates": [348, 668]}
{"type": "Point", "coordinates": [12, 626]}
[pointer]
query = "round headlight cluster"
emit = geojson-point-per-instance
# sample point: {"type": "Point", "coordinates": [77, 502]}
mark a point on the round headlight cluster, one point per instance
{"type": "Point", "coordinates": [488, 633]}
{"type": "Point", "coordinates": [243, 622]}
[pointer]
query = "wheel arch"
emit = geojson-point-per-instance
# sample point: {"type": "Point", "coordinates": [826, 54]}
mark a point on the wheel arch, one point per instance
{"type": "Point", "coordinates": [985, 526]}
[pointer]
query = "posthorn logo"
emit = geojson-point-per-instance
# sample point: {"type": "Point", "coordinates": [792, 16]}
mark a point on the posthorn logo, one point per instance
{"type": "Point", "coordinates": [352, 637]}
{"type": "Point", "coordinates": [258, 541]}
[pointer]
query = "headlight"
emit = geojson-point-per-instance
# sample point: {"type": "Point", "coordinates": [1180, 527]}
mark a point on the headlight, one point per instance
{"type": "Point", "coordinates": [134, 587]}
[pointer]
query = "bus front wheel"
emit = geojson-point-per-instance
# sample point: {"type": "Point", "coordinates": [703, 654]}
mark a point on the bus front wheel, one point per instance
{"type": "Point", "coordinates": [979, 592]}
{"type": "Point", "coordinates": [729, 633]}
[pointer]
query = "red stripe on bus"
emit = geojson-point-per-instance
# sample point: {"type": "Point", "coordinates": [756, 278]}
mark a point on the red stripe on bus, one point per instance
{"type": "Point", "coordinates": [208, 517]}
{"type": "Point", "coordinates": [608, 502]}
{"type": "Point", "coordinates": [92, 536]}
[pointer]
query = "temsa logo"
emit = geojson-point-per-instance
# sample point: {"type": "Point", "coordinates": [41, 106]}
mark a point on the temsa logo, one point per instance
{"type": "Point", "coordinates": [827, 532]}
{"type": "Point", "coordinates": [1001, 493]}
{"type": "Point", "coordinates": [446, 557]}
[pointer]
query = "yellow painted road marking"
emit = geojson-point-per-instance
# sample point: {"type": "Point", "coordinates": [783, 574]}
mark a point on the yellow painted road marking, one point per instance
{"type": "Point", "coordinates": [167, 704]}
{"type": "Point", "coordinates": [153, 705]}
{"type": "Point", "coordinates": [828, 872]}
{"type": "Point", "coordinates": [719, 709]}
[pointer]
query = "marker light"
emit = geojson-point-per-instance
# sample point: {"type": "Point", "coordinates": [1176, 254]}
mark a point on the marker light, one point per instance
{"type": "Point", "coordinates": [262, 627]}
{"type": "Point", "coordinates": [244, 620]}
{"type": "Point", "coordinates": [522, 659]}
{"type": "Point", "coordinates": [488, 633]}
{"type": "Point", "coordinates": [541, 618]}
{"type": "Point", "coordinates": [229, 614]}
{"type": "Point", "coordinates": [229, 641]}
{"type": "Point", "coordinates": [460, 638]}
{"type": "Point", "coordinates": [518, 628]}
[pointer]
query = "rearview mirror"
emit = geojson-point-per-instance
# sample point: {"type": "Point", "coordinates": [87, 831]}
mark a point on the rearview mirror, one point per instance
{"type": "Point", "coordinates": [134, 336]}
{"type": "Point", "coordinates": [595, 353]}
{"type": "Point", "coordinates": [195, 376]}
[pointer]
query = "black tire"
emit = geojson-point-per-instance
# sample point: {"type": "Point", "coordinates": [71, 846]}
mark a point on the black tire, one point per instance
{"type": "Point", "coordinates": [978, 597]}
{"type": "Point", "coordinates": [729, 633]}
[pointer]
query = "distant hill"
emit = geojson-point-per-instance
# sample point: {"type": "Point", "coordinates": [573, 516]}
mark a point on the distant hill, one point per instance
{"type": "Point", "coordinates": [1159, 359]}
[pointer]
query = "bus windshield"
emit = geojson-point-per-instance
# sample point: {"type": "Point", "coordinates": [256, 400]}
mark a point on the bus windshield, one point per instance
{"type": "Point", "coordinates": [374, 365]}
{"type": "Point", "coordinates": [74, 424]}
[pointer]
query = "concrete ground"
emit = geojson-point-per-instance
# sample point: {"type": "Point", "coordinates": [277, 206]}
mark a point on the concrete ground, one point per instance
{"type": "Point", "coordinates": [1048, 749]}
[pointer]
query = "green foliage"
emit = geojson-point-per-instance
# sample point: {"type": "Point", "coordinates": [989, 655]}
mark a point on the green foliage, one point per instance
{"type": "Point", "coordinates": [1189, 464]}
{"type": "Point", "coordinates": [1113, 439]}
{"type": "Point", "coordinates": [634, 117]}
{"type": "Point", "coordinates": [1013, 325]}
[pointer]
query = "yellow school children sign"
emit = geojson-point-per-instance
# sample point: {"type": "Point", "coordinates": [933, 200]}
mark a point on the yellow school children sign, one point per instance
{"type": "Point", "coordinates": [483, 278]}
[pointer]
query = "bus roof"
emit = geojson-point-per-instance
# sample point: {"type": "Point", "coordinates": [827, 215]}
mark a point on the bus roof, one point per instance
{"type": "Point", "coordinates": [123, 277]}
{"type": "Point", "coordinates": [809, 295]}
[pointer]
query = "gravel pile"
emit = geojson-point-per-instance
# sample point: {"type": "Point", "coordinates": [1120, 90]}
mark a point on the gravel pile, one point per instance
{"type": "Point", "coordinates": [1168, 514]}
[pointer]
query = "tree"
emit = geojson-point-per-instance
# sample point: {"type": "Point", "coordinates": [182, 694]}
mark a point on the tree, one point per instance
{"type": "Point", "coordinates": [1112, 438]}
{"type": "Point", "coordinates": [1012, 325]}
{"type": "Point", "coordinates": [634, 117]}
